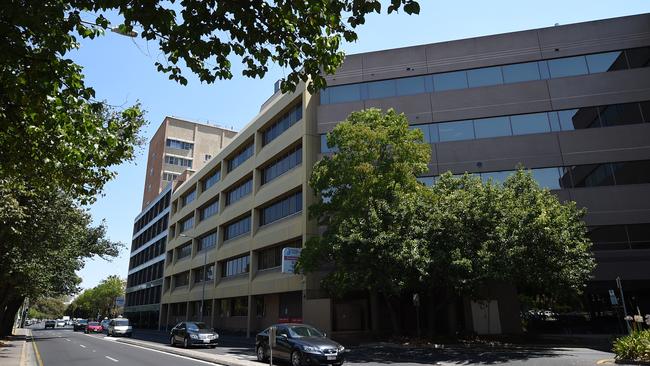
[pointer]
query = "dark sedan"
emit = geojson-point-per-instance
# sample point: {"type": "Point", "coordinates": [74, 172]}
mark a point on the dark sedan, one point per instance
{"type": "Point", "coordinates": [301, 345]}
{"type": "Point", "coordinates": [193, 333]}
{"type": "Point", "coordinates": [80, 325]}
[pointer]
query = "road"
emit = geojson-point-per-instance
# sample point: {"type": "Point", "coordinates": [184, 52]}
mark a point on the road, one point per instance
{"type": "Point", "coordinates": [62, 346]}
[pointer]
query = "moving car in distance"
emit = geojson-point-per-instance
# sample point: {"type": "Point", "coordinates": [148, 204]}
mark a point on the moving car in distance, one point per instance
{"type": "Point", "coordinates": [93, 327]}
{"type": "Point", "coordinates": [119, 326]}
{"type": "Point", "coordinates": [193, 333]}
{"type": "Point", "coordinates": [300, 344]}
{"type": "Point", "coordinates": [50, 324]}
{"type": "Point", "coordinates": [80, 324]}
{"type": "Point", "coordinates": [60, 323]}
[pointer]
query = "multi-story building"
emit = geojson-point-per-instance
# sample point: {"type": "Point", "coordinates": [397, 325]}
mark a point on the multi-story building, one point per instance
{"type": "Point", "coordinates": [176, 149]}
{"type": "Point", "coordinates": [571, 103]}
{"type": "Point", "coordinates": [176, 146]}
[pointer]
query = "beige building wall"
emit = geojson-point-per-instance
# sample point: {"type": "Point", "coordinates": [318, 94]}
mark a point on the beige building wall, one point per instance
{"type": "Point", "coordinates": [263, 289]}
{"type": "Point", "coordinates": [207, 141]}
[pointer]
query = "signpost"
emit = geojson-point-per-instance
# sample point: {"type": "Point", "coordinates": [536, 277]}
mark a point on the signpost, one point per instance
{"type": "Point", "coordinates": [272, 336]}
{"type": "Point", "coordinates": [289, 258]}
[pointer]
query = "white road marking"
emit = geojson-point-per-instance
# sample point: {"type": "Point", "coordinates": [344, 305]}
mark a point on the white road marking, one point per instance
{"type": "Point", "coordinates": [157, 351]}
{"type": "Point", "coordinates": [68, 340]}
{"type": "Point", "coordinates": [82, 346]}
{"type": "Point", "coordinates": [112, 359]}
{"type": "Point", "coordinates": [94, 351]}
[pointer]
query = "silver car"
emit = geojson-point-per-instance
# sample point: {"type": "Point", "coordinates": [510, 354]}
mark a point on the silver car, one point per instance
{"type": "Point", "coordinates": [119, 326]}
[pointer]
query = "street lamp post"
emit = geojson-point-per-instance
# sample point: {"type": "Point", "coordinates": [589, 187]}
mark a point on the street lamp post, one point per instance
{"type": "Point", "coordinates": [204, 274]}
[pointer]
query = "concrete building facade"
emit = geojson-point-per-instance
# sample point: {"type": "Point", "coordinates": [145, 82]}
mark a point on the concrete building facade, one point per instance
{"type": "Point", "coordinates": [176, 149]}
{"type": "Point", "coordinates": [571, 103]}
{"type": "Point", "coordinates": [178, 145]}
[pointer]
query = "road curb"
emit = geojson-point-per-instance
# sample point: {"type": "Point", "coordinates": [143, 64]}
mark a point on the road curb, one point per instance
{"type": "Point", "coordinates": [216, 359]}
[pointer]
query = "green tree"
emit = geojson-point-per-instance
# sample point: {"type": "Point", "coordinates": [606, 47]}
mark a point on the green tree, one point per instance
{"type": "Point", "coordinates": [384, 233]}
{"type": "Point", "coordinates": [99, 299]}
{"type": "Point", "coordinates": [47, 308]}
{"type": "Point", "coordinates": [43, 250]}
{"type": "Point", "coordinates": [369, 193]}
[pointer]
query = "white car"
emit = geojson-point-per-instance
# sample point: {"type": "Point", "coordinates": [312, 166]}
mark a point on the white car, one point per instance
{"type": "Point", "coordinates": [119, 326]}
{"type": "Point", "coordinates": [60, 323]}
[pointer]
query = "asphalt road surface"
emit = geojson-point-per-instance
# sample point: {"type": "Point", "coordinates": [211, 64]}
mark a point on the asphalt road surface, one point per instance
{"type": "Point", "coordinates": [63, 347]}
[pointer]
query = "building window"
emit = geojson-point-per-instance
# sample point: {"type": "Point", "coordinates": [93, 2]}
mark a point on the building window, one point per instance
{"type": "Point", "coordinates": [283, 208]}
{"type": "Point", "coordinates": [188, 198]}
{"type": "Point", "coordinates": [182, 279]}
{"type": "Point", "coordinates": [212, 179]}
{"type": "Point", "coordinates": [238, 192]}
{"type": "Point", "coordinates": [239, 306]}
{"type": "Point", "coordinates": [207, 241]}
{"type": "Point", "coordinates": [169, 176]}
{"type": "Point", "coordinates": [492, 75]}
{"type": "Point", "coordinates": [209, 210]}
{"type": "Point", "coordinates": [181, 145]}
{"type": "Point", "coordinates": [272, 257]}
{"type": "Point", "coordinates": [175, 160]}
{"type": "Point", "coordinates": [237, 228]}
{"type": "Point", "coordinates": [187, 224]}
{"type": "Point", "coordinates": [283, 164]}
{"type": "Point", "coordinates": [241, 157]}
{"type": "Point", "coordinates": [184, 251]}
{"type": "Point", "coordinates": [620, 237]}
{"type": "Point", "coordinates": [236, 266]}
{"type": "Point", "coordinates": [277, 128]}
{"type": "Point", "coordinates": [204, 274]}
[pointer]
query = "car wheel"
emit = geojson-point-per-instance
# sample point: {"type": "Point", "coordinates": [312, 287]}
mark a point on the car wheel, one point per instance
{"type": "Point", "coordinates": [296, 358]}
{"type": "Point", "coordinates": [261, 353]}
{"type": "Point", "coordinates": [186, 343]}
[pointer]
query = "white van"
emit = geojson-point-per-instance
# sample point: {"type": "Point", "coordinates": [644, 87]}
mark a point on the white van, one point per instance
{"type": "Point", "coordinates": [119, 326]}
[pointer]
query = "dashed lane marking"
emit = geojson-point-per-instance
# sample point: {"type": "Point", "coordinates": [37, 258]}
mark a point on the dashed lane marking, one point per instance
{"type": "Point", "coordinates": [607, 361]}
{"type": "Point", "coordinates": [112, 359]}
{"type": "Point", "coordinates": [82, 346]}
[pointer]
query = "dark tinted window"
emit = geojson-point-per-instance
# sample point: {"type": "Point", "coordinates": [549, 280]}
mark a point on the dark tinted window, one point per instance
{"type": "Point", "coordinates": [645, 109]}
{"type": "Point", "coordinates": [632, 172]}
{"type": "Point", "coordinates": [410, 86]}
{"type": "Point", "coordinates": [381, 89]}
{"type": "Point", "coordinates": [280, 209]}
{"type": "Point", "coordinates": [235, 266]}
{"type": "Point", "coordinates": [639, 235]}
{"type": "Point", "coordinates": [450, 80]}
{"type": "Point", "coordinates": [282, 164]}
{"type": "Point", "coordinates": [569, 66]}
{"type": "Point", "coordinates": [547, 177]}
{"type": "Point", "coordinates": [609, 61]}
{"type": "Point", "coordinates": [240, 191]}
{"type": "Point", "coordinates": [529, 123]}
{"type": "Point", "coordinates": [638, 57]}
{"type": "Point", "coordinates": [272, 257]}
{"type": "Point", "coordinates": [455, 131]}
{"type": "Point", "coordinates": [573, 119]}
{"type": "Point", "coordinates": [520, 72]}
{"type": "Point", "coordinates": [492, 127]}
{"type": "Point", "coordinates": [287, 120]}
{"type": "Point", "coordinates": [241, 157]}
{"type": "Point", "coordinates": [609, 237]}
{"type": "Point", "coordinates": [213, 178]}
{"type": "Point", "coordinates": [620, 114]}
{"type": "Point", "coordinates": [592, 175]}
{"type": "Point", "coordinates": [484, 76]}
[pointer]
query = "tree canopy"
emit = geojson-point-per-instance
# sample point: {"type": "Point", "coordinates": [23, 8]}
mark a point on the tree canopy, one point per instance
{"type": "Point", "coordinates": [98, 300]}
{"type": "Point", "coordinates": [386, 233]}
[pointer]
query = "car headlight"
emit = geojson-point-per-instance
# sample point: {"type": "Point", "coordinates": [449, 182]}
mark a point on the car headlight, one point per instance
{"type": "Point", "coordinates": [310, 349]}
{"type": "Point", "coordinates": [194, 336]}
{"type": "Point", "coordinates": [340, 348]}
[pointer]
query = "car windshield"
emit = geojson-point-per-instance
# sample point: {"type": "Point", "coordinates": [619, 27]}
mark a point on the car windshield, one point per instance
{"type": "Point", "coordinates": [93, 323]}
{"type": "Point", "coordinates": [83, 321]}
{"type": "Point", "coordinates": [298, 331]}
{"type": "Point", "coordinates": [196, 326]}
{"type": "Point", "coordinates": [121, 322]}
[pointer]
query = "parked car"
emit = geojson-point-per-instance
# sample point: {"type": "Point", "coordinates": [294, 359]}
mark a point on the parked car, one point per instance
{"type": "Point", "coordinates": [119, 326]}
{"type": "Point", "coordinates": [193, 333]}
{"type": "Point", "coordinates": [50, 324]}
{"type": "Point", "coordinates": [104, 325]}
{"type": "Point", "coordinates": [300, 344]}
{"type": "Point", "coordinates": [93, 327]}
{"type": "Point", "coordinates": [80, 324]}
{"type": "Point", "coordinates": [60, 323]}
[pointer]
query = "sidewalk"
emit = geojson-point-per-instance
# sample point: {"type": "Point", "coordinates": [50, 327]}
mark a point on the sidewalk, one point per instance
{"type": "Point", "coordinates": [229, 360]}
{"type": "Point", "coordinates": [16, 351]}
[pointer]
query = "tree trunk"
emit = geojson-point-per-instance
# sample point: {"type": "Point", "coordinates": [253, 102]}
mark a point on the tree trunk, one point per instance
{"type": "Point", "coordinates": [7, 323]}
{"type": "Point", "coordinates": [394, 316]}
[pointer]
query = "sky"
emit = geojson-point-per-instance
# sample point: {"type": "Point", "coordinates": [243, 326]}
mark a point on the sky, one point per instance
{"type": "Point", "coordinates": [122, 72]}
